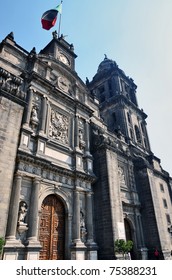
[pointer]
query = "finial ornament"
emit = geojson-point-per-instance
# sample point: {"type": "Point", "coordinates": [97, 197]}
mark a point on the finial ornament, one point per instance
{"type": "Point", "coordinates": [10, 36]}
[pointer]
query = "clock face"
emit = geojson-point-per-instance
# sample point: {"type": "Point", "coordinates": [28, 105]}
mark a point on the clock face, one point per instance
{"type": "Point", "coordinates": [64, 59]}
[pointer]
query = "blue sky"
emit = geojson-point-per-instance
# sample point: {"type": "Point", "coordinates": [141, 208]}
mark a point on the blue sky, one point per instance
{"type": "Point", "coordinates": [136, 34]}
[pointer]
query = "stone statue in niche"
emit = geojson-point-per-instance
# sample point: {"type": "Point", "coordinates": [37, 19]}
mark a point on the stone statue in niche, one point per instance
{"type": "Point", "coordinates": [22, 212]}
{"type": "Point", "coordinates": [21, 225]}
{"type": "Point", "coordinates": [83, 231]}
{"type": "Point", "coordinates": [34, 117]}
{"type": "Point", "coordinates": [81, 139]}
{"type": "Point", "coordinates": [121, 176]}
{"type": "Point", "coordinates": [81, 134]}
{"type": "Point", "coordinates": [58, 128]}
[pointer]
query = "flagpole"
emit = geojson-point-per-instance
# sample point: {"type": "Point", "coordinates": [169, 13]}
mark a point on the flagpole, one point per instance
{"type": "Point", "coordinates": [60, 22]}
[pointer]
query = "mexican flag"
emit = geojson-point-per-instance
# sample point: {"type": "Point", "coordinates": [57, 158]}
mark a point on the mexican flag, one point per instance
{"type": "Point", "coordinates": [49, 18]}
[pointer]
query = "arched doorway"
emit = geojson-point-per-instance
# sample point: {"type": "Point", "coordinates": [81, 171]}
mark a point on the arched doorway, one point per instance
{"type": "Point", "coordinates": [52, 229]}
{"type": "Point", "coordinates": [129, 236]}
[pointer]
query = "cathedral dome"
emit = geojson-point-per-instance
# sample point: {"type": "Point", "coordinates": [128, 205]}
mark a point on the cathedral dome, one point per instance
{"type": "Point", "coordinates": [106, 64]}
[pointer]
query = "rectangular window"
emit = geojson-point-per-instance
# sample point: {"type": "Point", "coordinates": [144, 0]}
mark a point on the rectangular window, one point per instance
{"type": "Point", "coordinates": [168, 219]}
{"type": "Point", "coordinates": [162, 187]}
{"type": "Point", "coordinates": [165, 203]}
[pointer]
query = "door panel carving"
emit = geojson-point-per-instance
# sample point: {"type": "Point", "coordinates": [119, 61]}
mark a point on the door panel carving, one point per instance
{"type": "Point", "coordinates": [52, 229]}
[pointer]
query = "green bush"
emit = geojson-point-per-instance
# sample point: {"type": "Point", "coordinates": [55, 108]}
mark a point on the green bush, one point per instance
{"type": "Point", "coordinates": [122, 246]}
{"type": "Point", "coordinates": [2, 243]}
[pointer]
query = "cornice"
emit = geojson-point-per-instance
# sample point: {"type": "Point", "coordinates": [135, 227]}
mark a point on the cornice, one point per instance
{"type": "Point", "coordinates": [39, 165]}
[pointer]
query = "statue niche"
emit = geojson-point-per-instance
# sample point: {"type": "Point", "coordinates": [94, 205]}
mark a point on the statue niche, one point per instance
{"type": "Point", "coordinates": [121, 176]}
{"type": "Point", "coordinates": [21, 225]}
{"type": "Point", "coordinates": [34, 117]}
{"type": "Point", "coordinates": [83, 231]}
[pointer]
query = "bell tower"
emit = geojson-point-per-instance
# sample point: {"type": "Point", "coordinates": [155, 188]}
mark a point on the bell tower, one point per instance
{"type": "Point", "coordinates": [118, 103]}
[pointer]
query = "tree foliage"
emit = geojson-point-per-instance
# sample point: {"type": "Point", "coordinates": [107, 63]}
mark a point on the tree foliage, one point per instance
{"type": "Point", "coordinates": [2, 242]}
{"type": "Point", "coordinates": [122, 246]}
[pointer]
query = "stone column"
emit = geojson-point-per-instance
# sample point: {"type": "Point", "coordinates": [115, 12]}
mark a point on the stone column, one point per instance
{"type": "Point", "coordinates": [138, 233]}
{"type": "Point", "coordinates": [88, 156]}
{"type": "Point", "coordinates": [34, 246]}
{"type": "Point", "coordinates": [91, 245]}
{"type": "Point", "coordinates": [78, 248]}
{"type": "Point", "coordinates": [13, 247]}
{"type": "Point", "coordinates": [76, 133]}
{"type": "Point", "coordinates": [143, 250]}
{"type": "Point", "coordinates": [33, 213]}
{"type": "Point", "coordinates": [89, 217]}
{"type": "Point", "coordinates": [48, 117]}
{"type": "Point", "coordinates": [29, 107]}
{"type": "Point", "coordinates": [44, 113]}
{"type": "Point", "coordinates": [141, 230]}
{"type": "Point", "coordinates": [76, 228]}
{"type": "Point", "coordinates": [69, 236]}
{"type": "Point", "coordinates": [120, 86]}
{"type": "Point", "coordinates": [87, 134]}
{"type": "Point", "coordinates": [14, 208]}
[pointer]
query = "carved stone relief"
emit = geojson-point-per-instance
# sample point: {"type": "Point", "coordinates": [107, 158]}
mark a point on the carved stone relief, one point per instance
{"type": "Point", "coordinates": [58, 128]}
{"type": "Point", "coordinates": [63, 84]}
{"type": "Point", "coordinates": [41, 71]}
{"type": "Point", "coordinates": [11, 84]}
{"type": "Point", "coordinates": [121, 176]}
{"type": "Point", "coordinates": [83, 231]}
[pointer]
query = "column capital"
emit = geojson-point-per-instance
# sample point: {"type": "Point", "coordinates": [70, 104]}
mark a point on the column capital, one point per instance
{"type": "Point", "coordinates": [87, 121]}
{"type": "Point", "coordinates": [37, 179]}
{"type": "Point", "coordinates": [18, 175]}
{"type": "Point", "coordinates": [77, 189]}
{"type": "Point", "coordinates": [45, 96]}
{"type": "Point", "coordinates": [89, 193]}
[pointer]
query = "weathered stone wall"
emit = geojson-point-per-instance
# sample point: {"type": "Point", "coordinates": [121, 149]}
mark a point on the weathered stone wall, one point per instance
{"type": "Point", "coordinates": [162, 210]}
{"type": "Point", "coordinates": [10, 116]}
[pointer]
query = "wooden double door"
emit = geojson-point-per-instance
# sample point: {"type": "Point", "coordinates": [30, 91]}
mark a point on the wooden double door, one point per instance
{"type": "Point", "coordinates": [52, 229]}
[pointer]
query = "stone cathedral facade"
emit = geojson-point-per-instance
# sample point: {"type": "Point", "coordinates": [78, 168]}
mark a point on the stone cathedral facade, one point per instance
{"type": "Point", "coordinates": [76, 168]}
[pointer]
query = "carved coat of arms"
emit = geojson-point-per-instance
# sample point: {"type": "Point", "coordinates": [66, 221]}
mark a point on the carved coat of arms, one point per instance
{"type": "Point", "coordinates": [58, 128]}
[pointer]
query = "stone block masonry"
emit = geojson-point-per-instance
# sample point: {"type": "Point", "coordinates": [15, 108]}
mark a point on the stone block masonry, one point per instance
{"type": "Point", "coordinates": [10, 122]}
